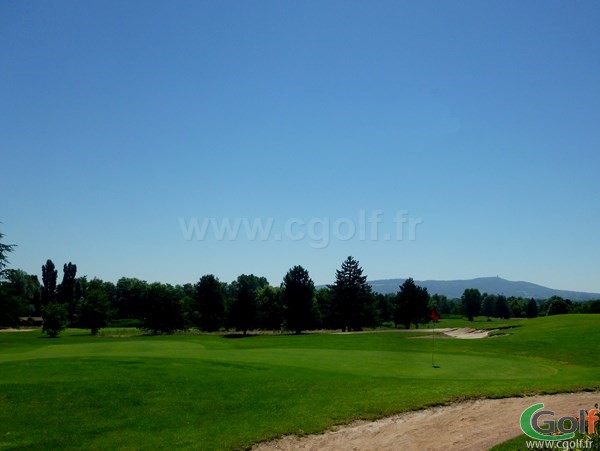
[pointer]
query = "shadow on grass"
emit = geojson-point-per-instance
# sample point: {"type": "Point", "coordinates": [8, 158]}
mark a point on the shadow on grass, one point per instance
{"type": "Point", "coordinates": [239, 335]}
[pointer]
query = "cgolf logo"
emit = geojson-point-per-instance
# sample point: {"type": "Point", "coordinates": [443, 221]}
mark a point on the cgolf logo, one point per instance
{"type": "Point", "coordinates": [563, 428]}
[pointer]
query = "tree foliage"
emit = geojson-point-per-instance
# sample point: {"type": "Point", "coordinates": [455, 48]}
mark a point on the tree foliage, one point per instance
{"type": "Point", "coordinates": [488, 305]}
{"type": "Point", "coordinates": [94, 308]}
{"type": "Point", "coordinates": [558, 306]}
{"type": "Point", "coordinates": [471, 302]}
{"type": "Point", "coordinates": [352, 296]}
{"type": "Point", "coordinates": [49, 277]}
{"type": "Point", "coordinates": [270, 308]}
{"type": "Point", "coordinates": [328, 317]}
{"type": "Point", "coordinates": [5, 249]}
{"type": "Point", "coordinates": [412, 304]}
{"type": "Point", "coordinates": [297, 290]}
{"type": "Point", "coordinates": [532, 309]}
{"type": "Point", "coordinates": [163, 311]}
{"type": "Point", "coordinates": [19, 297]}
{"type": "Point", "coordinates": [55, 319]}
{"type": "Point", "coordinates": [210, 303]}
{"type": "Point", "coordinates": [501, 309]}
{"type": "Point", "coordinates": [244, 308]}
{"type": "Point", "coordinates": [129, 297]}
{"type": "Point", "coordinates": [66, 289]}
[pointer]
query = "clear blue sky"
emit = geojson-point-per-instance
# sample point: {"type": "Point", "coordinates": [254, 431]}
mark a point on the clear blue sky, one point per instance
{"type": "Point", "coordinates": [480, 118]}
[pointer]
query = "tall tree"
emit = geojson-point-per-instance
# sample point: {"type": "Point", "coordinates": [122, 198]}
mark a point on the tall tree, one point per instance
{"type": "Point", "coordinates": [49, 276]}
{"type": "Point", "coordinates": [385, 304]}
{"type": "Point", "coordinates": [501, 309]}
{"type": "Point", "coordinates": [471, 302]}
{"type": "Point", "coordinates": [130, 295]}
{"type": "Point", "coordinates": [66, 289]}
{"type": "Point", "coordinates": [27, 288]}
{"type": "Point", "coordinates": [163, 311]}
{"type": "Point", "coordinates": [441, 302]}
{"type": "Point", "coordinates": [243, 310]}
{"type": "Point", "coordinates": [412, 304]}
{"type": "Point", "coordinates": [270, 308]}
{"type": "Point", "coordinates": [55, 319]}
{"type": "Point", "coordinates": [558, 306]}
{"type": "Point", "coordinates": [94, 308]}
{"type": "Point", "coordinates": [5, 249]}
{"type": "Point", "coordinates": [488, 305]}
{"type": "Point", "coordinates": [352, 296]}
{"type": "Point", "coordinates": [210, 302]}
{"type": "Point", "coordinates": [297, 290]}
{"type": "Point", "coordinates": [326, 305]}
{"type": "Point", "coordinates": [532, 309]}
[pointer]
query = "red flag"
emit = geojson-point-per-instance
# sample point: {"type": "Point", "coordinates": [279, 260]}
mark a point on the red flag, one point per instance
{"type": "Point", "coordinates": [434, 314]}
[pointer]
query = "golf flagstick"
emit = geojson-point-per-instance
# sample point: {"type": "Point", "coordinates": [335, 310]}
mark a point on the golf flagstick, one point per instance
{"type": "Point", "coordinates": [434, 316]}
{"type": "Point", "coordinates": [433, 343]}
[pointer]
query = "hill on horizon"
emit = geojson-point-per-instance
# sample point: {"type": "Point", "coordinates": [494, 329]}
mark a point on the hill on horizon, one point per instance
{"type": "Point", "coordinates": [490, 285]}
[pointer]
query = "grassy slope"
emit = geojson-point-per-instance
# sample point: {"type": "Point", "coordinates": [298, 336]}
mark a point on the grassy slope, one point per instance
{"type": "Point", "coordinates": [211, 392]}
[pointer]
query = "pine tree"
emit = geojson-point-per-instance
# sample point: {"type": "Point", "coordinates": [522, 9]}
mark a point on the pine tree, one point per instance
{"type": "Point", "coordinates": [66, 290]}
{"type": "Point", "coordinates": [5, 249]}
{"type": "Point", "coordinates": [297, 292]}
{"type": "Point", "coordinates": [49, 276]}
{"type": "Point", "coordinates": [532, 309]}
{"type": "Point", "coordinates": [352, 296]}
{"type": "Point", "coordinates": [243, 313]}
{"type": "Point", "coordinates": [210, 303]}
{"type": "Point", "coordinates": [411, 304]}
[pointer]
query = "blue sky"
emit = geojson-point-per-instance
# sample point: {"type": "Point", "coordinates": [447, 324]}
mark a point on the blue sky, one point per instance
{"type": "Point", "coordinates": [119, 121]}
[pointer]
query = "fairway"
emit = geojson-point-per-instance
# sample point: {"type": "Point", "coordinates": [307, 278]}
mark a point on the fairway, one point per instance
{"type": "Point", "coordinates": [213, 392]}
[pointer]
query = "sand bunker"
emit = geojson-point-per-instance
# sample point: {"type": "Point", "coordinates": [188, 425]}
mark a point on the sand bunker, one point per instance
{"type": "Point", "coordinates": [467, 333]}
{"type": "Point", "coordinates": [470, 425]}
{"type": "Point", "coordinates": [16, 330]}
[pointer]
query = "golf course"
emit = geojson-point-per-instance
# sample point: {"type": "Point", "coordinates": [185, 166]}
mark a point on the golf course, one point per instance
{"type": "Point", "coordinates": [123, 389]}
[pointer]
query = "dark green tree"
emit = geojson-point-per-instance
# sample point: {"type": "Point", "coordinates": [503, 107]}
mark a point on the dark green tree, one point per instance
{"type": "Point", "coordinates": [55, 319]}
{"type": "Point", "coordinates": [441, 302]}
{"type": "Point", "coordinates": [129, 298]}
{"type": "Point", "coordinates": [94, 308]}
{"type": "Point", "coordinates": [11, 306]}
{"type": "Point", "coordinates": [352, 297]}
{"type": "Point", "coordinates": [471, 302]}
{"type": "Point", "coordinates": [66, 290]}
{"type": "Point", "coordinates": [5, 249]}
{"type": "Point", "coordinates": [297, 290]}
{"type": "Point", "coordinates": [25, 289]}
{"type": "Point", "coordinates": [532, 309]}
{"type": "Point", "coordinates": [558, 306]}
{"type": "Point", "coordinates": [412, 304]}
{"type": "Point", "coordinates": [501, 309]}
{"type": "Point", "coordinates": [594, 306]}
{"type": "Point", "coordinates": [210, 303]}
{"type": "Point", "coordinates": [329, 318]}
{"type": "Point", "coordinates": [385, 305]}
{"type": "Point", "coordinates": [49, 276]}
{"type": "Point", "coordinates": [163, 310]}
{"type": "Point", "coordinates": [488, 305]}
{"type": "Point", "coordinates": [517, 307]}
{"type": "Point", "coordinates": [270, 308]}
{"type": "Point", "coordinates": [243, 311]}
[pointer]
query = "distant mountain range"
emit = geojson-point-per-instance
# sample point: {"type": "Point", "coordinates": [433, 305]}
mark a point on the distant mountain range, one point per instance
{"type": "Point", "coordinates": [491, 285]}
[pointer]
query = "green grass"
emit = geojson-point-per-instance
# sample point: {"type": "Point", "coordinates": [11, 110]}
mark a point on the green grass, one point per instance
{"type": "Point", "coordinates": [518, 443]}
{"type": "Point", "coordinates": [126, 390]}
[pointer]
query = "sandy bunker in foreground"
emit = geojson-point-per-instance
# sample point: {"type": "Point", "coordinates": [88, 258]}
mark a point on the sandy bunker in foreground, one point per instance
{"type": "Point", "coordinates": [470, 425]}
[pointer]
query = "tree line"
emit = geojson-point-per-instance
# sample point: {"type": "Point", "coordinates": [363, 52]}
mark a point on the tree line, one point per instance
{"type": "Point", "coordinates": [246, 304]}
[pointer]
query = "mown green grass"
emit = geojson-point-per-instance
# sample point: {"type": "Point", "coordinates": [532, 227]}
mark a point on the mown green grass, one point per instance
{"type": "Point", "coordinates": [211, 392]}
{"type": "Point", "coordinates": [518, 443]}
